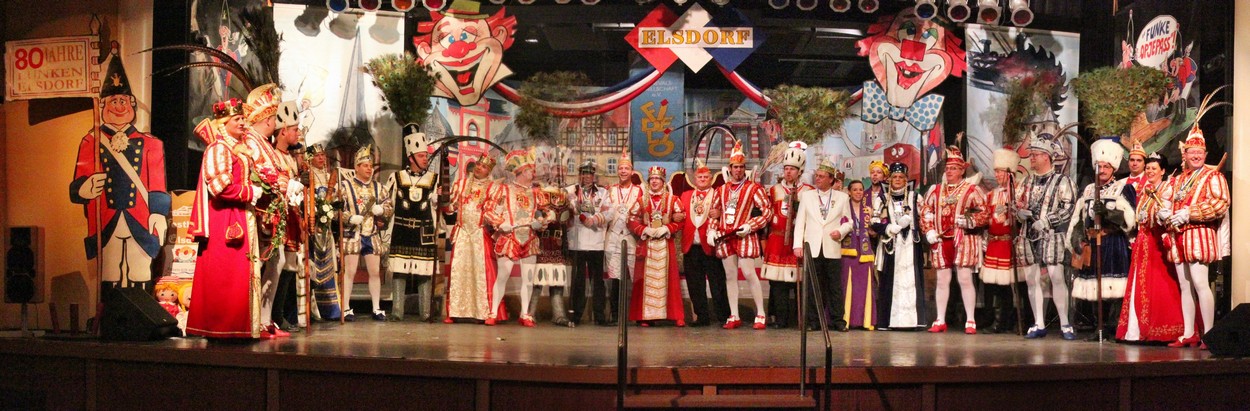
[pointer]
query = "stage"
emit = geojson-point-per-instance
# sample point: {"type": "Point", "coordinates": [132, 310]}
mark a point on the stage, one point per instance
{"type": "Point", "coordinates": [410, 364]}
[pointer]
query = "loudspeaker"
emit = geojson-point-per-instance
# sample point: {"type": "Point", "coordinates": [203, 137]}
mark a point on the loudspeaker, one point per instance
{"type": "Point", "coordinates": [1230, 336]}
{"type": "Point", "coordinates": [23, 266]}
{"type": "Point", "coordinates": [131, 314]}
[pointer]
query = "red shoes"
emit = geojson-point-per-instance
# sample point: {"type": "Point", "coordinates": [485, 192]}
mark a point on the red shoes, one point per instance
{"type": "Point", "coordinates": [681, 323]}
{"type": "Point", "coordinates": [1191, 341]}
{"type": "Point", "coordinates": [490, 321]}
{"type": "Point", "coordinates": [526, 320]}
{"type": "Point", "coordinates": [447, 320]}
{"type": "Point", "coordinates": [759, 322]}
{"type": "Point", "coordinates": [732, 323]}
{"type": "Point", "coordinates": [970, 327]}
{"type": "Point", "coordinates": [272, 331]}
{"type": "Point", "coordinates": [938, 328]}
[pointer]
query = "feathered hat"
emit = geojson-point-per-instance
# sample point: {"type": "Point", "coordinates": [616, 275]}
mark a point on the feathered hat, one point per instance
{"type": "Point", "coordinates": [588, 167]}
{"type": "Point", "coordinates": [288, 114]}
{"type": "Point", "coordinates": [796, 155]}
{"type": "Point", "coordinates": [700, 166]}
{"type": "Point", "coordinates": [827, 165]}
{"type": "Point", "coordinates": [1005, 159]}
{"type": "Point", "coordinates": [955, 157]}
{"type": "Point", "coordinates": [626, 158]}
{"type": "Point", "coordinates": [414, 140]}
{"type": "Point", "coordinates": [486, 161]}
{"type": "Point", "coordinates": [1106, 151]}
{"type": "Point", "coordinates": [1195, 139]}
{"type": "Point", "coordinates": [736, 156]}
{"type": "Point", "coordinates": [1045, 145]}
{"type": "Point", "coordinates": [262, 102]}
{"type": "Point", "coordinates": [228, 108]}
{"type": "Point", "coordinates": [518, 160]}
{"type": "Point", "coordinates": [1138, 150]}
{"type": "Point", "coordinates": [364, 155]}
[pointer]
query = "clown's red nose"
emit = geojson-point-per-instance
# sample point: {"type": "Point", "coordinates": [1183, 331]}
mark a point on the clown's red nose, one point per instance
{"type": "Point", "coordinates": [459, 49]}
{"type": "Point", "coordinates": [913, 50]}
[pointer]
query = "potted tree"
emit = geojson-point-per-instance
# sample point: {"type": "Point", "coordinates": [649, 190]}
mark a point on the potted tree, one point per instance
{"type": "Point", "coordinates": [807, 113]}
{"type": "Point", "coordinates": [1111, 98]}
{"type": "Point", "coordinates": [532, 117]}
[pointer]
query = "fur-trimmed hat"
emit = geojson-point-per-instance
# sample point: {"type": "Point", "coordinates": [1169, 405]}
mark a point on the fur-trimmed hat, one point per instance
{"type": "Point", "coordinates": [288, 114]}
{"type": "Point", "coordinates": [1106, 151]}
{"type": "Point", "coordinates": [414, 140]}
{"type": "Point", "coordinates": [1006, 159]}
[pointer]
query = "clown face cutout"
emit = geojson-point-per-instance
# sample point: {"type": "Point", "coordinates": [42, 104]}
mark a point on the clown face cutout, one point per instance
{"type": "Point", "coordinates": [910, 56]}
{"type": "Point", "coordinates": [465, 50]}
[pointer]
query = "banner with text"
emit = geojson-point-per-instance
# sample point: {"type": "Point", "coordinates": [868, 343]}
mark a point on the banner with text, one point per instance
{"type": "Point", "coordinates": [654, 116]}
{"type": "Point", "coordinates": [51, 67]}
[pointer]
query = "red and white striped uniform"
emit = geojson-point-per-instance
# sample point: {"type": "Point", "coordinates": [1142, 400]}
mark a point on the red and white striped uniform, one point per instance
{"type": "Point", "coordinates": [1205, 193]}
{"type": "Point", "coordinates": [958, 247]}
{"type": "Point", "coordinates": [749, 195]}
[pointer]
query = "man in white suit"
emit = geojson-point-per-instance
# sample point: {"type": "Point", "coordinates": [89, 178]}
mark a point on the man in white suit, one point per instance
{"type": "Point", "coordinates": [818, 225]}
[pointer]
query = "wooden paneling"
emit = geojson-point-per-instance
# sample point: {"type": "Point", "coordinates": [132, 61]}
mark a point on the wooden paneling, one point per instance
{"type": "Point", "coordinates": [301, 390]}
{"type": "Point", "coordinates": [42, 383]}
{"type": "Point", "coordinates": [1050, 395]}
{"type": "Point", "coordinates": [135, 385]}
{"type": "Point", "coordinates": [512, 396]}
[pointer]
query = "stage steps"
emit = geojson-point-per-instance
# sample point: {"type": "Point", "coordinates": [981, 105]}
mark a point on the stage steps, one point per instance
{"type": "Point", "coordinates": [720, 402]}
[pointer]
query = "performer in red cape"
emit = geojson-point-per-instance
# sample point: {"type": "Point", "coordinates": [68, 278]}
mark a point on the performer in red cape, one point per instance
{"type": "Point", "coordinates": [657, 284]}
{"type": "Point", "coordinates": [227, 283]}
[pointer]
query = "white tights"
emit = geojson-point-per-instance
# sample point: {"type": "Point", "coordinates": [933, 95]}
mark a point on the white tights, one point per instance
{"type": "Point", "coordinates": [943, 292]}
{"type": "Point", "coordinates": [504, 265]}
{"type": "Point", "coordinates": [270, 273]}
{"type": "Point", "coordinates": [732, 264]}
{"type": "Point", "coordinates": [1193, 279]}
{"type": "Point", "coordinates": [1058, 293]}
{"type": "Point", "coordinates": [372, 262]}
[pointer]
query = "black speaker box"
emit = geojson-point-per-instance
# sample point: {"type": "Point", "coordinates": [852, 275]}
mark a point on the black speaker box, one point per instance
{"type": "Point", "coordinates": [131, 314]}
{"type": "Point", "coordinates": [1230, 336]}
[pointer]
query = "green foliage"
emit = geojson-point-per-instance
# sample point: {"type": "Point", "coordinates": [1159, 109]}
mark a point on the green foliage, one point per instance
{"type": "Point", "coordinates": [560, 86]}
{"type": "Point", "coordinates": [806, 113]}
{"type": "Point", "coordinates": [406, 85]}
{"type": "Point", "coordinates": [1111, 97]}
{"type": "Point", "coordinates": [1026, 98]}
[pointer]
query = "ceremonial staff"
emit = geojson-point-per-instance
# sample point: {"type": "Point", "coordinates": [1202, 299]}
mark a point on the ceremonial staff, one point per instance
{"type": "Point", "coordinates": [344, 301]}
{"type": "Point", "coordinates": [1015, 232]}
{"type": "Point", "coordinates": [310, 221]}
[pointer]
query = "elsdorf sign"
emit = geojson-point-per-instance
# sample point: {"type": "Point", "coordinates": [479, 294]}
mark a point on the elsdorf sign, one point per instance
{"type": "Point", "coordinates": [51, 67]}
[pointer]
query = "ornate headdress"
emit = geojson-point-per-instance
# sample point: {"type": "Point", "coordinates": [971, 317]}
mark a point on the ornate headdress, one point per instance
{"type": "Point", "coordinates": [1106, 151]}
{"type": "Point", "coordinates": [486, 161]}
{"type": "Point", "coordinates": [736, 156]}
{"type": "Point", "coordinates": [626, 158]}
{"type": "Point", "coordinates": [314, 150]}
{"type": "Point", "coordinates": [1138, 150]}
{"type": "Point", "coordinates": [414, 140]}
{"type": "Point", "coordinates": [262, 102]}
{"type": "Point", "coordinates": [955, 157]}
{"type": "Point", "coordinates": [226, 109]}
{"type": "Point", "coordinates": [657, 172]}
{"type": "Point", "coordinates": [878, 165]}
{"type": "Point", "coordinates": [827, 165]}
{"type": "Point", "coordinates": [588, 167]}
{"type": "Point", "coordinates": [1046, 145]}
{"type": "Point", "coordinates": [518, 160]}
{"type": "Point", "coordinates": [700, 166]}
{"type": "Point", "coordinates": [898, 168]}
{"type": "Point", "coordinates": [796, 155]}
{"type": "Point", "coordinates": [364, 154]}
{"type": "Point", "coordinates": [1006, 159]}
{"type": "Point", "coordinates": [288, 114]}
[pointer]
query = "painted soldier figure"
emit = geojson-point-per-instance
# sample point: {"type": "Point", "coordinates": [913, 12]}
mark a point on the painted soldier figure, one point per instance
{"type": "Point", "coordinates": [119, 179]}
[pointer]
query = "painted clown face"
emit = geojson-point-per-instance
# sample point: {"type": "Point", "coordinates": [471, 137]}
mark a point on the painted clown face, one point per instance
{"type": "Point", "coordinates": [466, 53]}
{"type": "Point", "coordinates": [910, 56]}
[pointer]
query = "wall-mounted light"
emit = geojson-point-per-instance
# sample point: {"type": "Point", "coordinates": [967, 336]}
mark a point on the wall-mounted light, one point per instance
{"type": "Point", "coordinates": [806, 5]}
{"type": "Point", "coordinates": [926, 9]}
{"type": "Point", "coordinates": [779, 4]}
{"type": "Point", "coordinates": [840, 6]}
{"type": "Point", "coordinates": [988, 12]}
{"type": "Point", "coordinates": [958, 10]}
{"type": "Point", "coordinates": [1020, 14]}
{"type": "Point", "coordinates": [869, 6]}
{"type": "Point", "coordinates": [434, 5]}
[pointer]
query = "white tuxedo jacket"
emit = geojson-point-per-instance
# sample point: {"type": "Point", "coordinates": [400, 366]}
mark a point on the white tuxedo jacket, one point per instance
{"type": "Point", "coordinates": [814, 231]}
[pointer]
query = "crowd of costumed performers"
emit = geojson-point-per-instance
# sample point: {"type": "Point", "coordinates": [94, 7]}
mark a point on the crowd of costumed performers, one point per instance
{"type": "Point", "coordinates": [268, 214]}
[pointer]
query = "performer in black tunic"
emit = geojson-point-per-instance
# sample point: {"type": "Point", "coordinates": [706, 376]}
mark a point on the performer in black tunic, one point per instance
{"type": "Point", "coordinates": [414, 228]}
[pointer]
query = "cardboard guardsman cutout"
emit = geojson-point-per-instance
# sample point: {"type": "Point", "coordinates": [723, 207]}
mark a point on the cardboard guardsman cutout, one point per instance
{"type": "Point", "coordinates": [464, 48]}
{"type": "Point", "coordinates": [909, 57]}
{"type": "Point", "coordinates": [120, 181]}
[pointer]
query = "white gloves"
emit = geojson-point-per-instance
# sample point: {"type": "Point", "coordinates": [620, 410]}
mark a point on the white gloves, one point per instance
{"type": "Point", "coordinates": [294, 192]}
{"type": "Point", "coordinates": [256, 192]}
{"type": "Point", "coordinates": [505, 227]}
{"type": "Point", "coordinates": [963, 222]}
{"type": "Point", "coordinates": [356, 219]}
{"type": "Point", "coordinates": [1041, 225]}
{"type": "Point", "coordinates": [1180, 217]}
{"type": "Point", "coordinates": [661, 231]}
{"type": "Point", "coordinates": [92, 187]}
{"type": "Point", "coordinates": [157, 225]}
{"type": "Point", "coordinates": [893, 229]}
{"type": "Point", "coordinates": [537, 224]}
{"type": "Point", "coordinates": [713, 235]}
{"type": "Point", "coordinates": [377, 209]}
{"type": "Point", "coordinates": [743, 231]}
{"type": "Point", "coordinates": [1110, 205]}
{"type": "Point", "coordinates": [904, 221]}
{"type": "Point", "coordinates": [1024, 214]}
{"type": "Point", "coordinates": [1164, 214]}
{"type": "Point", "coordinates": [932, 236]}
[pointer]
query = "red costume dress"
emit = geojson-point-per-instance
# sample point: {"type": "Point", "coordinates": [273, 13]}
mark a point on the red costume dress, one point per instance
{"type": "Point", "coordinates": [227, 280]}
{"type": "Point", "coordinates": [779, 259]}
{"type": "Point", "coordinates": [656, 281]}
{"type": "Point", "coordinates": [996, 268]}
{"type": "Point", "coordinates": [1152, 303]}
{"type": "Point", "coordinates": [472, 263]}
